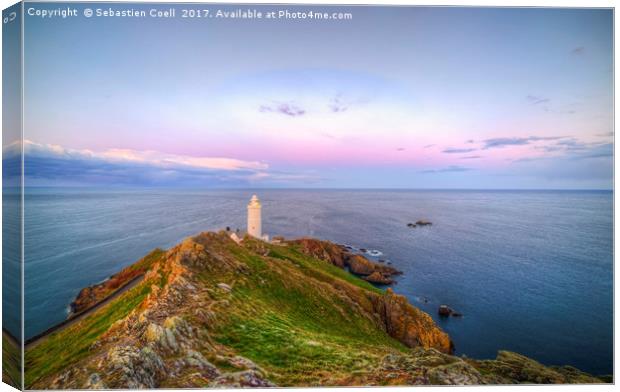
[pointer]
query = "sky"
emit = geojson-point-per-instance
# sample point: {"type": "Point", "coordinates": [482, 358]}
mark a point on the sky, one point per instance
{"type": "Point", "coordinates": [397, 97]}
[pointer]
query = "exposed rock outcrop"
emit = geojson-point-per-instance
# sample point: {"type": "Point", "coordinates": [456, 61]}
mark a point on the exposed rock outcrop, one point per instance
{"type": "Point", "coordinates": [379, 278]}
{"type": "Point", "coordinates": [244, 379]}
{"type": "Point", "coordinates": [134, 368]}
{"type": "Point", "coordinates": [342, 257]}
{"type": "Point", "coordinates": [509, 368]}
{"type": "Point", "coordinates": [323, 250]}
{"type": "Point", "coordinates": [410, 325]}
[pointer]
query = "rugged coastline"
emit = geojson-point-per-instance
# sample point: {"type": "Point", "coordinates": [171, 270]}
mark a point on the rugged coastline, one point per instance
{"type": "Point", "coordinates": [213, 312]}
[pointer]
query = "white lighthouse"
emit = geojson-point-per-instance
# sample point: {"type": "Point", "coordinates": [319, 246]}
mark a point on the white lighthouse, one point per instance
{"type": "Point", "coordinates": [254, 218]}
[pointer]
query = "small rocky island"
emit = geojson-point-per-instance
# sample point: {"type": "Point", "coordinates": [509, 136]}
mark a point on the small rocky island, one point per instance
{"type": "Point", "coordinates": [215, 311]}
{"type": "Point", "coordinates": [445, 311]}
{"type": "Point", "coordinates": [421, 222]}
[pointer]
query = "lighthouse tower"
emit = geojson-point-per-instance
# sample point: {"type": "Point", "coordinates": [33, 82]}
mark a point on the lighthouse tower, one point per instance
{"type": "Point", "coordinates": [254, 218]}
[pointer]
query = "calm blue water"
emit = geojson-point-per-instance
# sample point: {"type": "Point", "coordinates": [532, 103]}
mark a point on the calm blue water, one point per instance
{"type": "Point", "coordinates": [531, 271]}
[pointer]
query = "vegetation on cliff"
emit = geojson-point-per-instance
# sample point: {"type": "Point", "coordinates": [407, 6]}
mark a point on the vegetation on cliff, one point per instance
{"type": "Point", "coordinates": [11, 360]}
{"type": "Point", "coordinates": [210, 312]}
{"type": "Point", "coordinates": [92, 295]}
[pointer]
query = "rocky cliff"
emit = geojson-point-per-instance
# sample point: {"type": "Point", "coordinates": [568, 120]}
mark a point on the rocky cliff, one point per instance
{"type": "Point", "coordinates": [210, 312]}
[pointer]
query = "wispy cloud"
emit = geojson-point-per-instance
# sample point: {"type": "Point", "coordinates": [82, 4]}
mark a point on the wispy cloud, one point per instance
{"type": "Point", "coordinates": [285, 108]}
{"type": "Point", "coordinates": [337, 105]}
{"type": "Point", "coordinates": [458, 150]}
{"type": "Point", "coordinates": [594, 165]}
{"type": "Point", "coordinates": [592, 169]}
{"type": "Point", "coordinates": [569, 144]}
{"type": "Point", "coordinates": [429, 145]}
{"type": "Point", "coordinates": [571, 150]}
{"type": "Point", "coordinates": [285, 177]}
{"type": "Point", "coordinates": [536, 100]}
{"type": "Point", "coordinates": [448, 169]}
{"type": "Point", "coordinates": [599, 151]}
{"type": "Point", "coordinates": [471, 157]}
{"type": "Point", "coordinates": [546, 105]}
{"type": "Point", "coordinates": [566, 109]}
{"type": "Point", "coordinates": [515, 141]}
{"type": "Point", "coordinates": [578, 50]}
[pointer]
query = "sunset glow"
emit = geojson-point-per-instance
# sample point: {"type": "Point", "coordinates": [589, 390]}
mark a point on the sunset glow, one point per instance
{"type": "Point", "coordinates": [348, 104]}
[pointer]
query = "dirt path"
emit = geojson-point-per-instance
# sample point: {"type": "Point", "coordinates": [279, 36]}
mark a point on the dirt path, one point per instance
{"type": "Point", "coordinates": [33, 341]}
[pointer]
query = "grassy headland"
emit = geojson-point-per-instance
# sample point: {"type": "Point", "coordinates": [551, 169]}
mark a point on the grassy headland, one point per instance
{"type": "Point", "coordinates": [211, 312]}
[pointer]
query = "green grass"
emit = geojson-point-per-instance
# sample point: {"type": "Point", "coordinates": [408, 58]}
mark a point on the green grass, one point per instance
{"type": "Point", "coordinates": [69, 345]}
{"type": "Point", "coordinates": [294, 355]}
{"type": "Point", "coordinates": [284, 313]}
{"type": "Point", "coordinates": [304, 321]}
{"type": "Point", "coordinates": [11, 361]}
{"type": "Point", "coordinates": [318, 268]}
{"type": "Point", "coordinates": [286, 319]}
{"type": "Point", "coordinates": [147, 261]}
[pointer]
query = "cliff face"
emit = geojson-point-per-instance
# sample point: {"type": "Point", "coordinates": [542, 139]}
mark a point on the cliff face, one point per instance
{"type": "Point", "coordinates": [341, 257]}
{"type": "Point", "coordinates": [210, 312]}
{"type": "Point", "coordinates": [397, 317]}
{"type": "Point", "coordinates": [90, 296]}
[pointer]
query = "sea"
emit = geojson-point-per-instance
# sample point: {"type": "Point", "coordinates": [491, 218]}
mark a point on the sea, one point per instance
{"type": "Point", "coordinates": [530, 271]}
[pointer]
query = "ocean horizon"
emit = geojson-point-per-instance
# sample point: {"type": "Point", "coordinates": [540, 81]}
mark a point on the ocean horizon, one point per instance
{"type": "Point", "coordinates": [271, 188]}
{"type": "Point", "coordinates": [530, 270]}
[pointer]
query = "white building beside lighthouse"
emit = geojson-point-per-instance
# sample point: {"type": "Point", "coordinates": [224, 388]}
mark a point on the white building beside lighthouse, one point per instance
{"type": "Point", "coordinates": [254, 219]}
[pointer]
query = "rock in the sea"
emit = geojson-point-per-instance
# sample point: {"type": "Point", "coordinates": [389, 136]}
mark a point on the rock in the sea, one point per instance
{"type": "Point", "coordinates": [444, 310]}
{"type": "Point", "coordinates": [423, 222]}
{"type": "Point", "coordinates": [412, 225]}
